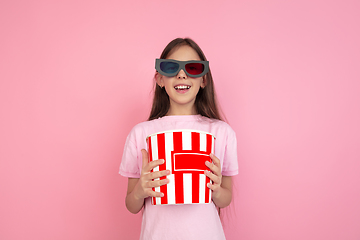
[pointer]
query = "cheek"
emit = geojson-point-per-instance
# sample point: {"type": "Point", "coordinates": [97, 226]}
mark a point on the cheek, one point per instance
{"type": "Point", "coordinates": [199, 82]}
{"type": "Point", "coordinates": [168, 86]}
{"type": "Point", "coordinates": [168, 82]}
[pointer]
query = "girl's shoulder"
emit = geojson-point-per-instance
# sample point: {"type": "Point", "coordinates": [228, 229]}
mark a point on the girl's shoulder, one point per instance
{"type": "Point", "coordinates": [143, 129]}
{"type": "Point", "coordinates": [216, 123]}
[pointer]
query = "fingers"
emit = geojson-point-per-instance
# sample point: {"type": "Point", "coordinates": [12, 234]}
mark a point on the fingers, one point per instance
{"type": "Point", "coordinates": [148, 166]}
{"type": "Point", "coordinates": [153, 164]}
{"type": "Point", "coordinates": [150, 184]}
{"type": "Point", "coordinates": [157, 183]}
{"type": "Point", "coordinates": [215, 178]}
{"type": "Point", "coordinates": [147, 181]}
{"type": "Point", "coordinates": [157, 174]}
{"type": "Point", "coordinates": [215, 166]}
{"type": "Point", "coordinates": [215, 171]}
{"type": "Point", "coordinates": [215, 160]}
{"type": "Point", "coordinates": [151, 193]}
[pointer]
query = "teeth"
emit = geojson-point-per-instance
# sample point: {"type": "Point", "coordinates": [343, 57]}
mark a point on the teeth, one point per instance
{"type": "Point", "coordinates": [182, 87]}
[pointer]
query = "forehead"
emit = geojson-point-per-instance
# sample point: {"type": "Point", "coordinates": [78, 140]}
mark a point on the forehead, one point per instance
{"type": "Point", "coordinates": [183, 53]}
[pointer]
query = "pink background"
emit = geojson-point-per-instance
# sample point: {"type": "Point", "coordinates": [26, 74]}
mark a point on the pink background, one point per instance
{"type": "Point", "coordinates": [76, 76]}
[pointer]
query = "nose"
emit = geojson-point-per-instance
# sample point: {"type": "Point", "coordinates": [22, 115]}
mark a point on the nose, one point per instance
{"type": "Point", "coordinates": [181, 74]}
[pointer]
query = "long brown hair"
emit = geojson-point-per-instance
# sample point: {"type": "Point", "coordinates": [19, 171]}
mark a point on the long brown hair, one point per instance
{"type": "Point", "coordinates": [205, 102]}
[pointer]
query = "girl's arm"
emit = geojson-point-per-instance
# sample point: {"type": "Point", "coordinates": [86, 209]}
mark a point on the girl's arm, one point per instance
{"type": "Point", "coordinates": [133, 204]}
{"type": "Point", "coordinates": [141, 188]}
{"type": "Point", "coordinates": [221, 186]}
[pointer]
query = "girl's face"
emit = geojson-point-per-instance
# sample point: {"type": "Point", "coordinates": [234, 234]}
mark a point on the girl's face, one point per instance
{"type": "Point", "coordinates": [182, 89]}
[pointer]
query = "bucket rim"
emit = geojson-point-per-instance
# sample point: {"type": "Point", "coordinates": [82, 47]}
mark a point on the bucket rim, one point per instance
{"type": "Point", "coordinates": [180, 130]}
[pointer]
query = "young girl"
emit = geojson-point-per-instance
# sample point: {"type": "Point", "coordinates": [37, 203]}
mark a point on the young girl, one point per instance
{"type": "Point", "coordinates": [184, 99]}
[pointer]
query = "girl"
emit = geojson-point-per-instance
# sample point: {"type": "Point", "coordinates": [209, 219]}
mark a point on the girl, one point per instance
{"type": "Point", "coordinates": [184, 99]}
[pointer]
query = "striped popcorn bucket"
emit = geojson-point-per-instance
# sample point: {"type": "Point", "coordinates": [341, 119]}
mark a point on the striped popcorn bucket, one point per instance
{"type": "Point", "coordinates": [185, 153]}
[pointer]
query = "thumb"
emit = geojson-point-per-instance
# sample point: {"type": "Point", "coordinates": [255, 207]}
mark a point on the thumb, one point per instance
{"type": "Point", "coordinates": [145, 158]}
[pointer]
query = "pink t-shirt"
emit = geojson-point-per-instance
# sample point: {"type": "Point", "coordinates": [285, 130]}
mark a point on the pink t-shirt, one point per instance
{"type": "Point", "coordinates": [187, 221]}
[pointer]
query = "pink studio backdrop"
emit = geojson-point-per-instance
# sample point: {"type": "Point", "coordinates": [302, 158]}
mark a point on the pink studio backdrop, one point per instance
{"type": "Point", "coordinates": [76, 76]}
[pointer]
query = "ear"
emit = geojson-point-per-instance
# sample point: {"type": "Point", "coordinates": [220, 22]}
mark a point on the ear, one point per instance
{"type": "Point", "coordinates": [159, 79]}
{"type": "Point", "coordinates": [203, 82]}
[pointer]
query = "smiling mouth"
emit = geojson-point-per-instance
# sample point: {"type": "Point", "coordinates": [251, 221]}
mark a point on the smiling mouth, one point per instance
{"type": "Point", "coordinates": [182, 87]}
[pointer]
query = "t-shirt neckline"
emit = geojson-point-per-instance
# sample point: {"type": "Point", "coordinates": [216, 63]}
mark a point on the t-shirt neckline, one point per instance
{"type": "Point", "coordinates": [181, 117]}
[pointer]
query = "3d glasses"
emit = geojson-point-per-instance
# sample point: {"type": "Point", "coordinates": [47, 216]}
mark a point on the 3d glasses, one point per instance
{"type": "Point", "coordinates": [170, 67]}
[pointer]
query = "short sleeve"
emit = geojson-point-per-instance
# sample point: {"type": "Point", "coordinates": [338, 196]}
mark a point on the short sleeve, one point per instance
{"type": "Point", "coordinates": [230, 165]}
{"type": "Point", "coordinates": [130, 166]}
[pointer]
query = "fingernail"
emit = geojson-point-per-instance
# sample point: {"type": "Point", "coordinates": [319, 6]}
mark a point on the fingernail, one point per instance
{"type": "Point", "coordinates": [207, 163]}
{"type": "Point", "coordinates": [162, 194]}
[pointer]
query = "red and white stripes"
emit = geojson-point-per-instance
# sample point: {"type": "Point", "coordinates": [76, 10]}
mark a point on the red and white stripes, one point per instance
{"type": "Point", "coordinates": [185, 153]}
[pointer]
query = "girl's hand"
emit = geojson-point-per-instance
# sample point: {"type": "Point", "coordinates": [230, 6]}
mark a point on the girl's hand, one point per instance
{"type": "Point", "coordinates": [221, 186]}
{"type": "Point", "coordinates": [214, 174]}
{"type": "Point", "coordinates": [143, 188]}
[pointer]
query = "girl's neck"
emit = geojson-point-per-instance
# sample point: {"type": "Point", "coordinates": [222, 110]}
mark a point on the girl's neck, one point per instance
{"type": "Point", "coordinates": [181, 110]}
